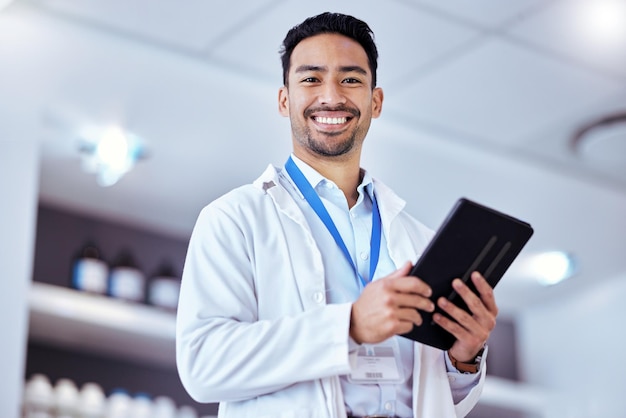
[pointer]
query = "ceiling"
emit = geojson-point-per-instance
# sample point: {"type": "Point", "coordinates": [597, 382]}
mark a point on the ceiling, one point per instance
{"type": "Point", "coordinates": [482, 99]}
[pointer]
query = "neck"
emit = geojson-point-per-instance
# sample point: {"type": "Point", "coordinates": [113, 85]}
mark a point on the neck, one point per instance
{"type": "Point", "coordinates": [346, 174]}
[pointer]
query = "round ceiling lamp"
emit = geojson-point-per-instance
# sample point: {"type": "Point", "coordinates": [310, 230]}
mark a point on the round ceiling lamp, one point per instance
{"type": "Point", "coordinates": [602, 143]}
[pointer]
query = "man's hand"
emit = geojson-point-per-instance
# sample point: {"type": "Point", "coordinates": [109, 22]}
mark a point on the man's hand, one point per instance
{"type": "Point", "coordinates": [388, 306]}
{"type": "Point", "coordinates": [470, 329]}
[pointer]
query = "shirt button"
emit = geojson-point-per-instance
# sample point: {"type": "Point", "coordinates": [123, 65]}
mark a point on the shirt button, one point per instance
{"type": "Point", "coordinates": [388, 406]}
{"type": "Point", "coordinates": [318, 297]}
{"type": "Point", "coordinates": [451, 378]}
{"type": "Point", "coordinates": [364, 255]}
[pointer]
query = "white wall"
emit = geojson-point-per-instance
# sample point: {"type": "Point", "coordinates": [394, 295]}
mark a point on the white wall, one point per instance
{"type": "Point", "coordinates": [575, 348]}
{"type": "Point", "coordinates": [19, 167]}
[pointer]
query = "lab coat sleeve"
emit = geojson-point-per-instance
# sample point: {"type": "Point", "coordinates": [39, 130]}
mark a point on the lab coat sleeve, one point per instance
{"type": "Point", "coordinates": [224, 350]}
{"type": "Point", "coordinates": [465, 405]}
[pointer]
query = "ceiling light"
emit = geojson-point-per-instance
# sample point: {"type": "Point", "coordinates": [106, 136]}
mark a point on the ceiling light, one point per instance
{"type": "Point", "coordinates": [603, 22]}
{"type": "Point", "coordinates": [550, 267]}
{"type": "Point", "coordinates": [603, 141]}
{"type": "Point", "coordinates": [110, 154]}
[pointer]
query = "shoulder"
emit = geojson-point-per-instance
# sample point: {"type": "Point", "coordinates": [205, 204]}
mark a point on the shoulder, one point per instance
{"type": "Point", "coordinates": [400, 220]}
{"type": "Point", "coordinates": [418, 233]}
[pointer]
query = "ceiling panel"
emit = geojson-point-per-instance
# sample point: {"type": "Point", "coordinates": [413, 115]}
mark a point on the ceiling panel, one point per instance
{"type": "Point", "coordinates": [408, 38]}
{"type": "Point", "coordinates": [487, 13]}
{"type": "Point", "coordinates": [501, 93]}
{"type": "Point", "coordinates": [194, 24]}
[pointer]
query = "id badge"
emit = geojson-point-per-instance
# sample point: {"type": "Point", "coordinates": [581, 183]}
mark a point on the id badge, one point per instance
{"type": "Point", "coordinates": [377, 363]}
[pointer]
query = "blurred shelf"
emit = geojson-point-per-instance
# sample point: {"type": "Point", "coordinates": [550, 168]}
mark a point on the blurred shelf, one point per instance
{"type": "Point", "coordinates": [96, 324]}
{"type": "Point", "coordinates": [67, 318]}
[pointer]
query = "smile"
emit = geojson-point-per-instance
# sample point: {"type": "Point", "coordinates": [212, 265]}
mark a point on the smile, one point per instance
{"type": "Point", "coordinates": [330, 121]}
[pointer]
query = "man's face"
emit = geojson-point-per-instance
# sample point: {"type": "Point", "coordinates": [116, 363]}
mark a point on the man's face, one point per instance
{"type": "Point", "coordinates": [330, 101]}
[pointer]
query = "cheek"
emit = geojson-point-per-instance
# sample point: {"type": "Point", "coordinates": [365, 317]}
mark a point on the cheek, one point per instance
{"type": "Point", "coordinates": [297, 107]}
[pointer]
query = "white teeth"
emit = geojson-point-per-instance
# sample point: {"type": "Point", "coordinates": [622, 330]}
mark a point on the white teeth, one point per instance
{"type": "Point", "coordinates": [331, 121]}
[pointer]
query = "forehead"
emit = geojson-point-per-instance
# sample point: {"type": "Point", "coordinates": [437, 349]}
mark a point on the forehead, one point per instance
{"type": "Point", "coordinates": [329, 50]}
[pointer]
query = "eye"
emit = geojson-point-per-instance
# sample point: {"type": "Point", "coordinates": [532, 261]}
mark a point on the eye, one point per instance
{"type": "Point", "coordinates": [351, 80]}
{"type": "Point", "coordinates": [310, 80]}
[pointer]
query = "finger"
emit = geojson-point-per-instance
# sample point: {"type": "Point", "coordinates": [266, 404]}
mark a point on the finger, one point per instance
{"type": "Point", "coordinates": [481, 313]}
{"type": "Point", "coordinates": [396, 321]}
{"type": "Point", "coordinates": [402, 271]}
{"type": "Point", "coordinates": [462, 326]}
{"type": "Point", "coordinates": [467, 344]}
{"type": "Point", "coordinates": [453, 327]}
{"type": "Point", "coordinates": [486, 292]}
{"type": "Point", "coordinates": [411, 284]}
{"type": "Point", "coordinates": [407, 300]}
{"type": "Point", "coordinates": [401, 282]}
{"type": "Point", "coordinates": [391, 295]}
{"type": "Point", "coordinates": [477, 326]}
{"type": "Point", "coordinates": [459, 315]}
{"type": "Point", "coordinates": [410, 317]}
{"type": "Point", "coordinates": [473, 301]}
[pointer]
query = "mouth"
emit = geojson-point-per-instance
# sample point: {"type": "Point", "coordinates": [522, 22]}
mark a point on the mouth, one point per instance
{"type": "Point", "coordinates": [332, 119]}
{"type": "Point", "coordinates": [326, 120]}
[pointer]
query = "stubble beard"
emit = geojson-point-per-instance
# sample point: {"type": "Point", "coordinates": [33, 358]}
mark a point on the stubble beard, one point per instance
{"type": "Point", "coordinates": [326, 148]}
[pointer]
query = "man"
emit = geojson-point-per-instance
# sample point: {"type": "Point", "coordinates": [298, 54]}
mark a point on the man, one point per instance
{"type": "Point", "coordinates": [295, 287]}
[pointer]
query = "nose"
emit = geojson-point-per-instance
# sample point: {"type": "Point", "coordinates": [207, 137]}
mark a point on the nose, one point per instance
{"type": "Point", "coordinates": [331, 93]}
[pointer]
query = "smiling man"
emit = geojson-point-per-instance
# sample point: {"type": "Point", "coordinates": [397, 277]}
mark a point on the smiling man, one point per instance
{"type": "Point", "coordinates": [296, 288]}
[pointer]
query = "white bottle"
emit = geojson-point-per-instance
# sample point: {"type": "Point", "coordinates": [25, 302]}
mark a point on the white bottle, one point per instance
{"type": "Point", "coordinates": [91, 401]}
{"type": "Point", "coordinates": [38, 397]}
{"type": "Point", "coordinates": [141, 406]}
{"type": "Point", "coordinates": [118, 404]}
{"type": "Point", "coordinates": [164, 289]}
{"type": "Point", "coordinates": [186, 412]}
{"type": "Point", "coordinates": [126, 280]}
{"type": "Point", "coordinates": [163, 407]}
{"type": "Point", "coordinates": [89, 272]}
{"type": "Point", "coordinates": [65, 399]}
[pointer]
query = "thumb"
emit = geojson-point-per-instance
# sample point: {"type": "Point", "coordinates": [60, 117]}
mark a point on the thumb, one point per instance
{"type": "Point", "coordinates": [403, 270]}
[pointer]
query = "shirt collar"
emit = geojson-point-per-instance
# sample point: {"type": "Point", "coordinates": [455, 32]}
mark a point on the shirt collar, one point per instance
{"type": "Point", "coordinates": [315, 178]}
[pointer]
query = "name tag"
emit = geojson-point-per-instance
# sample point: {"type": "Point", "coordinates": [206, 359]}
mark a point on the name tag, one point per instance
{"type": "Point", "coordinates": [377, 363]}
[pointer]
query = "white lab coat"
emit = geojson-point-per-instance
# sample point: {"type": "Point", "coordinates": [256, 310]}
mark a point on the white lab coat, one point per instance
{"type": "Point", "coordinates": [254, 331]}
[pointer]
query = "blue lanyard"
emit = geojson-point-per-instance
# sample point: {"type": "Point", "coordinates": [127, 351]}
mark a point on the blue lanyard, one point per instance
{"type": "Point", "coordinates": [318, 206]}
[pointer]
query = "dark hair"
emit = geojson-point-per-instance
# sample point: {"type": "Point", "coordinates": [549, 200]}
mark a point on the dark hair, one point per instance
{"type": "Point", "coordinates": [330, 23]}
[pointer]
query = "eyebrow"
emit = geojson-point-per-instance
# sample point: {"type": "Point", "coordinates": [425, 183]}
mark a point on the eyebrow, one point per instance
{"type": "Point", "coordinates": [320, 68]}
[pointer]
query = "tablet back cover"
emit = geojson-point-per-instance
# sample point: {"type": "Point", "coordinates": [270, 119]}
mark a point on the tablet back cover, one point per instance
{"type": "Point", "coordinates": [472, 238]}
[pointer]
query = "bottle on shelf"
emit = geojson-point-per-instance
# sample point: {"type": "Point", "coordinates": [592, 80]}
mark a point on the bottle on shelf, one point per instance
{"type": "Point", "coordinates": [38, 397]}
{"type": "Point", "coordinates": [141, 406]}
{"type": "Point", "coordinates": [65, 399]}
{"type": "Point", "coordinates": [91, 401]}
{"type": "Point", "coordinates": [164, 407]}
{"type": "Point", "coordinates": [41, 399]}
{"type": "Point", "coordinates": [164, 288]}
{"type": "Point", "coordinates": [126, 280]}
{"type": "Point", "coordinates": [89, 271]}
{"type": "Point", "coordinates": [186, 411]}
{"type": "Point", "coordinates": [118, 404]}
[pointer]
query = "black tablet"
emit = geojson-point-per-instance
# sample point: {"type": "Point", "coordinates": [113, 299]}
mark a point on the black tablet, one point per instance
{"type": "Point", "coordinates": [472, 238]}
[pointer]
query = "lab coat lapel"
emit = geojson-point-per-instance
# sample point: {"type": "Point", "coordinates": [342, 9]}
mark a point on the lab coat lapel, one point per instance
{"type": "Point", "coordinates": [307, 264]}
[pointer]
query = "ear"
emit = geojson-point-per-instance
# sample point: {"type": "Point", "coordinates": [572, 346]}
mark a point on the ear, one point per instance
{"type": "Point", "coordinates": [377, 102]}
{"type": "Point", "coordinates": [283, 101]}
